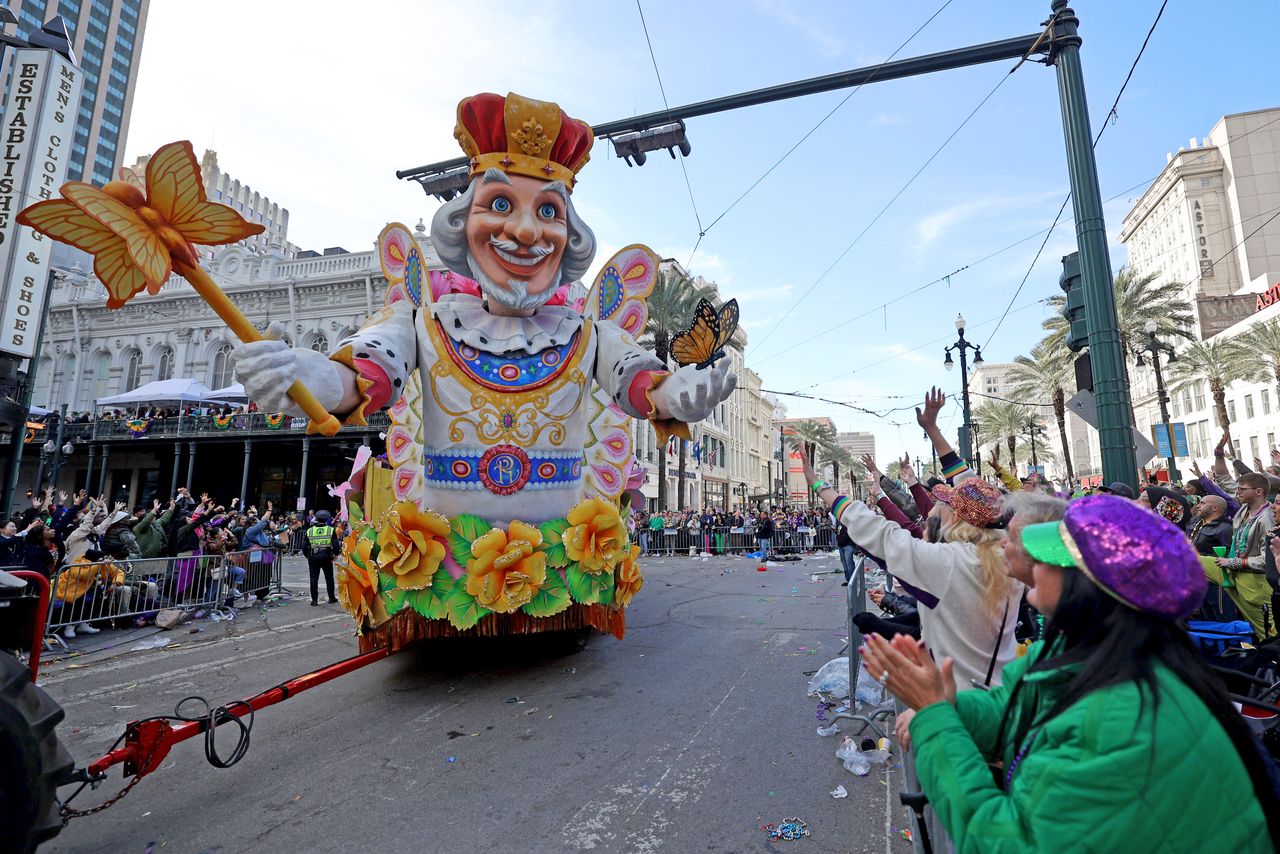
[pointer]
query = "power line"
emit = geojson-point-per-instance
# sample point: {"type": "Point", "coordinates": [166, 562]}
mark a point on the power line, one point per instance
{"type": "Point", "coordinates": [666, 106]}
{"type": "Point", "coordinates": [823, 120]}
{"type": "Point", "coordinates": [1111, 116]}
{"type": "Point", "coordinates": [933, 282]}
{"type": "Point", "coordinates": [1004, 77]}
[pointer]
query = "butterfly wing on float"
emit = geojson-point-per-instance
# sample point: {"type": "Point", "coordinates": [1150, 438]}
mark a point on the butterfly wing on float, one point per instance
{"type": "Point", "coordinates": [617, 295]}
{"type": "Point", "coordinates": [145, 249]}
{"type": "Point", "coordinates": [404, 265]}
{"type": "Point", "coordinates": [112, 263]}
{"type": "Point", "coordinates": [697, 344]}
{"type": "Point", "coordinates": [176, 190]}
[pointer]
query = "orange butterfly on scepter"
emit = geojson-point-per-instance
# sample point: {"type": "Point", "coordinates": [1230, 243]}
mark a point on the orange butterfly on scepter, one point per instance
{"type": "Point", "coordinates": [138, 239]}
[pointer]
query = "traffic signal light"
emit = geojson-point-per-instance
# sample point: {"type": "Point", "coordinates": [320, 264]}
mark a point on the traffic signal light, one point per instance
{"type": "Point", "coordinates": [1073, 310]}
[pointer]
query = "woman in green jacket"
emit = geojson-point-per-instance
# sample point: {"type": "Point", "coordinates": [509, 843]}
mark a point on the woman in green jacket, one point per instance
{"type": "Point", "coordinates": [1111, 734]}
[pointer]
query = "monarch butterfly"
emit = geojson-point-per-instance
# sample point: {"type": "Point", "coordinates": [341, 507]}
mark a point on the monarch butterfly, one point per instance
{"type": "Point", "coordinates": [702, 344]}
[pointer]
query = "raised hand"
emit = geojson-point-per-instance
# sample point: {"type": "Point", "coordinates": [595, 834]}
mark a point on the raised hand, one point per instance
{"type": "Point", "coordinates": [1195, 469]}
{"type": "Point", "coordinates": [933, 403]}
{"type": "Point", "coordinates": [155, 504]}
{"type": "Point", "coordinates": [908, 473]}
{"type": "Point", "coordinates": [869, 462]}
{"type": "Point", "coordinates": [119, 506]}
{"type": "Point", "coordinates": [62, 496]}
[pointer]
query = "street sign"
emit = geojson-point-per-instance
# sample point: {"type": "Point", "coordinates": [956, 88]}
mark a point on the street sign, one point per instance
{"type": "Point", "coordinates": [1085, 405]}
{"type": "Point", "coordinates": [39, 124]}
{"type": "Point", "coordinates": [1161, 434]}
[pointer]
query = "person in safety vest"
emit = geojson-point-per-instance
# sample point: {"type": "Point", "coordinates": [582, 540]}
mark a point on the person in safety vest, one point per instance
{"type": "Point", "coordinates": [320, 545]}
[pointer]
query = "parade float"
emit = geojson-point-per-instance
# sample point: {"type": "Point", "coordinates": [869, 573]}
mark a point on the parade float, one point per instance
{"type": "Point", "coordinates": [500, 504]}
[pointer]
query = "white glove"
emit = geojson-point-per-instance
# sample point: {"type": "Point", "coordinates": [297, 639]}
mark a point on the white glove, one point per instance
{"type": "Point", "coordinates": [691, 395]}
{"type": "Point", "coordinates": [267, 368]}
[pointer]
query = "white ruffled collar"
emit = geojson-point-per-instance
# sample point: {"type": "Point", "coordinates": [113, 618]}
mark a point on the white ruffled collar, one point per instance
{"type": "Point", "coordinates": [464, 318]}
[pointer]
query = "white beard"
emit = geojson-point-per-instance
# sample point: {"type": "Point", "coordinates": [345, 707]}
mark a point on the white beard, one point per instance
{"type": "Point", "coordinates": [515, 295]}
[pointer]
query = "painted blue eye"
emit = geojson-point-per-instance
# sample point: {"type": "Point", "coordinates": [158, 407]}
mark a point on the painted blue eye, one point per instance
{"type": "Point", "coordinates": [501, 205]}
{"type": "Point", "coordinates": [547, 211]}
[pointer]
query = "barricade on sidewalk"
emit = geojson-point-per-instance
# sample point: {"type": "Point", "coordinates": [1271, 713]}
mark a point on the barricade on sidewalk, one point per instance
{"type": "Point", "coordinates": [263, 569]}
{"type": "Point", "coordinates": [675, 542]}
{"type": "Point", "coordinates": [120, 591]}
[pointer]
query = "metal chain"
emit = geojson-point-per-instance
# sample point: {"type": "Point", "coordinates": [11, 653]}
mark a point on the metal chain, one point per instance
{"type": "Point", "coordinates": [69, 813]}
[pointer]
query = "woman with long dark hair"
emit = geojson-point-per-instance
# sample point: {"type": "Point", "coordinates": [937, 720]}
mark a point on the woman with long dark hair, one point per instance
{"type": "Point", "coordinates": [1111, 733]}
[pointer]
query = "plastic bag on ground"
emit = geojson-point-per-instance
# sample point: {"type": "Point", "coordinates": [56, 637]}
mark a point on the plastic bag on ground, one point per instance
{"type": "Point", "coordinates": [832, 678]}
{"type": "Point", "coordinates": [870, 692]}
{"type": "Point", "coordinates": [859, 762]}
{"type": "Point", "coordinates": [829, 730]}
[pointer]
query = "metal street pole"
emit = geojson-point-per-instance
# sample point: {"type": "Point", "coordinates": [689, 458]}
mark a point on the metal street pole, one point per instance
{"type": "Point", "coordinates": [1031, 431]}
{"type": "Point", "coordinates": [57, 451]}
{"type": "Point", "coordinates": [962, 345]}
{"type": "Point", "coordinates": [1115, 437]}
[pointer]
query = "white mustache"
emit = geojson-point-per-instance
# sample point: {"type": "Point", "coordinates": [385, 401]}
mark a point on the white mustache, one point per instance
{"type": "Point", "coordinates": [512, 246]}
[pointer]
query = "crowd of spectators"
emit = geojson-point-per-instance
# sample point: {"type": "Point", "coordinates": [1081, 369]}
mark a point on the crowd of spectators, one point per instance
{"type": "Point", "coordinates": [1038, 638]}
{"type": "Point", "coordinates": [712, 531]}
{"type": "Point", "coordinates": [94, 549]}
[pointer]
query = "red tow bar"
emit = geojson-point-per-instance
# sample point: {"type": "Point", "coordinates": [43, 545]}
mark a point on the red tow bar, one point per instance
{"type": "Point", "coordinates": [148, 742]}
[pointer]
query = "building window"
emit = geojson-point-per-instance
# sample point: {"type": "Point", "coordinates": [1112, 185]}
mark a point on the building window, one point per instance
{"type": "Point", "coordinates": [164, 364]}
{"type": "Point", "coordinates": [1265, 397]}
{"type": "Point", "coordinates": [1248, 406]}
{"type": "Point", "coordinates": [319, 343]}
{"type": "Point", "coordinates": [132, 371]}
{"type": "Point", "coordinates": [100, 374]}
{"type": "Point", "coordinates": [1231, 411]}
{"type": "Point", "coordinates": [221, 374]}
{"type": "Point", "coordinates": [1197, 392]}
{"type": "Point", "coordinates": [1253, 447]}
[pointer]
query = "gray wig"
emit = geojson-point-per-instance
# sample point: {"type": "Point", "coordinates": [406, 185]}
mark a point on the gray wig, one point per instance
{"type": "Point", "coordinates": [449, 232]}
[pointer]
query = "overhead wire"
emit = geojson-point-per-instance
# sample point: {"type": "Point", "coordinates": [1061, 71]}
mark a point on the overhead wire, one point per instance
{"type": "Point", "coordinates": [1110, 119]}
{"type": "Point", "coordinates": [667, 106]}
{"type": "Point", "coordinates": [823, 120]}
{"type": "Point", "coordinates": [1003, 78]}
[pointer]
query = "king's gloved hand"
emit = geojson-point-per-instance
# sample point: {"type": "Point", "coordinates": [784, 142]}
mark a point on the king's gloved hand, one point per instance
{"type": "Point", "coordinates": [691, 395]}
{"type": "Point", "coordinates": [268, 367]}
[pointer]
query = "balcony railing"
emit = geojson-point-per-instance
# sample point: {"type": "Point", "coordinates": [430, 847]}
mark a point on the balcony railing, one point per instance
{"type": "Point", "coordinates": [243, 425]}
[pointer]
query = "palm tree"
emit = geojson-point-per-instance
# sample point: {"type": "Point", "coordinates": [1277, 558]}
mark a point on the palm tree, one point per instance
{"type": "Point", "coordinates": [1138, 299]}
{"type": "Point", "coordinates": [1219, 362]}
{"type": "Point", "coordinates": [816, 440]}
{"type": "Point", "coordinates": [1045, 374]}
{"type": "Point", "coordinates": [1003, 420]}
{"type": "Point", "coordinates": [1263, 341]}
{"type": "Point", "coordinates": [671, 306]}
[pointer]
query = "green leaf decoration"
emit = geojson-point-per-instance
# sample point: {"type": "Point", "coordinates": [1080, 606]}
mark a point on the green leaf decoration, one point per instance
{"type": "Point", "coordinates": [386, 581]}
{"type": "Point", "coordinates": [587, 588]}
{"type": "Point", "coordinates": [393, 600]}
{"type": "Point", "coordinates": [464, 531]}
{"type": "Point", "coordinates": [552, 598]}
{"type": "Point", "coordinates": [355, 513]}
{"type": "Point", "coordinates": [431, 602]}
{"type": "Point", "coordinates": [553, 543]}
{"type": "Point", "coordinates": [462, 609]}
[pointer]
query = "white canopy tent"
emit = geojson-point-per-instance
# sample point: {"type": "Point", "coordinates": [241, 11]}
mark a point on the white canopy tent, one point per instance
{"type": "Point", "coordinates": [230, 393]}
{"type": "Point", "coordinates": [162, 391]}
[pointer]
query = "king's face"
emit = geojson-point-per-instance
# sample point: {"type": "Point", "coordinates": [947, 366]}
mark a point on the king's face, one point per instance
{"type": "Point", "coordinates": [518, 231]}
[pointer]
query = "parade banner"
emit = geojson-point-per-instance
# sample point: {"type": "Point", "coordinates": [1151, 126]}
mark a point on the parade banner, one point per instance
{"type": "Point", "coordinates": [39, 124]}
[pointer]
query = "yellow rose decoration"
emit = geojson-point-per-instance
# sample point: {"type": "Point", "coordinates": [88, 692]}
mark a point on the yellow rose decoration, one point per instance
{"type": "Point", "coordinates": [357, 579]}
{"type": "Point", "coordinates": [596, 537]}
{"type": "Point", "coordinates": [506, 569]}
{"type": "Point", "coordinates": [413, 544]}
{"type": "Point", "coordinates": [627, 578]}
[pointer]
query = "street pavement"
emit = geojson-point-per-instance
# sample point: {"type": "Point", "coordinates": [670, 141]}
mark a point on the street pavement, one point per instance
{"type": "Point", "coordinates": [689, 734]}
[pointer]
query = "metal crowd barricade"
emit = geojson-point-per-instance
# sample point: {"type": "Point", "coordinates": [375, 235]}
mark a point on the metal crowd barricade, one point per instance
{"type": "Point", "coordinates": [264, 570]}
{"type": "Point", "coordinates": [120, 591]}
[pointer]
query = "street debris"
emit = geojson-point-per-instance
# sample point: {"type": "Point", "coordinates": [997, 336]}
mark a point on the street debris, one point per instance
{"type": "Point", "coordinates": [789, 828]}
{"type": "Point", "coordinates": [839, 792]}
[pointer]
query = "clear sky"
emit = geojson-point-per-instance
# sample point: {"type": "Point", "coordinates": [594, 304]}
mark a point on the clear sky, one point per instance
{"type": "Point", "coordinates": [316, 104]}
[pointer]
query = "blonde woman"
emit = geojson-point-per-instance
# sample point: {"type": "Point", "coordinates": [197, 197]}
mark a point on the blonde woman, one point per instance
{"type": "Point", "coordinates": [977, 602]}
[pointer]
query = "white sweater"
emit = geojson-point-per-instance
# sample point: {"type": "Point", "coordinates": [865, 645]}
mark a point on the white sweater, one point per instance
{"type": "Point", "coordinates": [960, 626]}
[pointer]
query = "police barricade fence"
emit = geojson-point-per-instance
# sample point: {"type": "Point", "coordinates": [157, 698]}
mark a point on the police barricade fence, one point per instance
{"type": "Point", "coordinates": [731, 540]}
{"type": "Point", "coordinates": [263, 570]}
{"type": "Point", "coordinates": [118, 592]}
{"type": "Point", "coordinates": [294, 540]}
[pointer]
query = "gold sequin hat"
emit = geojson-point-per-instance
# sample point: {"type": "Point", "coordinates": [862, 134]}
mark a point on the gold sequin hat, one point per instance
{"type": "Point", "coordinates": [522, 136]}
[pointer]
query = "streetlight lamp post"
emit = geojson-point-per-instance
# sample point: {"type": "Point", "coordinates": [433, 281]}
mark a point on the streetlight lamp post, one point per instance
{"type": "Point", "coordinates": [961, 345]}
{"type": "Point", "coordinates": [1032, 429]}
{"type": "Point", "coordinates": [1155, 348]}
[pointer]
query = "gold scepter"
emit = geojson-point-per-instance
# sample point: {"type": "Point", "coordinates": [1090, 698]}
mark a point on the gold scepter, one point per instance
{"type": "Point", "coordinates": [137, 239]}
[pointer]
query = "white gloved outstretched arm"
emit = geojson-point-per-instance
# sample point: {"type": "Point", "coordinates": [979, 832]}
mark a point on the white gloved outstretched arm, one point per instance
{"type": "Point", "coordinates": [268, 367]}
{"type": "Point", "coordinates": [690, 395]}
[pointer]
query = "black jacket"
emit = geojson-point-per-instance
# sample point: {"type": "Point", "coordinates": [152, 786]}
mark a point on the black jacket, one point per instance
{"type": "Point", "coordinates": [1207, 535]}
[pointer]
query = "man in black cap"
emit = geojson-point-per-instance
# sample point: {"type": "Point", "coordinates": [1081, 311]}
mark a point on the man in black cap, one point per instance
{"type": "Point", "coordinates": [1119, 488]}
{"type": "Point", "coordinates": [319, 546]}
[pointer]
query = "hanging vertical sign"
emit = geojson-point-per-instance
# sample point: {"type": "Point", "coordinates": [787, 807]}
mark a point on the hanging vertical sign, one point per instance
{"type": "Point", "coordinates": [38, 127]}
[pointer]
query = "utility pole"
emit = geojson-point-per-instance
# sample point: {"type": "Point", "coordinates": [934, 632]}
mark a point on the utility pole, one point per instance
{"type": "Point", "coordinates": [1115, 437]}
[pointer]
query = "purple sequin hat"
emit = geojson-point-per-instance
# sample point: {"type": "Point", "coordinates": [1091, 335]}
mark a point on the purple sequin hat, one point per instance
{"type": "Point", "coordinates": [1138, 557]}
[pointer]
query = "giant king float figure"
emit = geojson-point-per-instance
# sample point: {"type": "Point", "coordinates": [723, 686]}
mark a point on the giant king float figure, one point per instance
{"type": "Point", "coordinates": [502, 509]}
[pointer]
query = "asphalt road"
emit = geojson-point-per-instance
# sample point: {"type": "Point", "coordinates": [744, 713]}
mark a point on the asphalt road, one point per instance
{"type": "Point", "coordinates": [687, 735]}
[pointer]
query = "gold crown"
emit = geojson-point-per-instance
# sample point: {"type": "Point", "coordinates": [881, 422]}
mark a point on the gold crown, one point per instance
{"type": "Point", "coordinates": [522, 136]}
